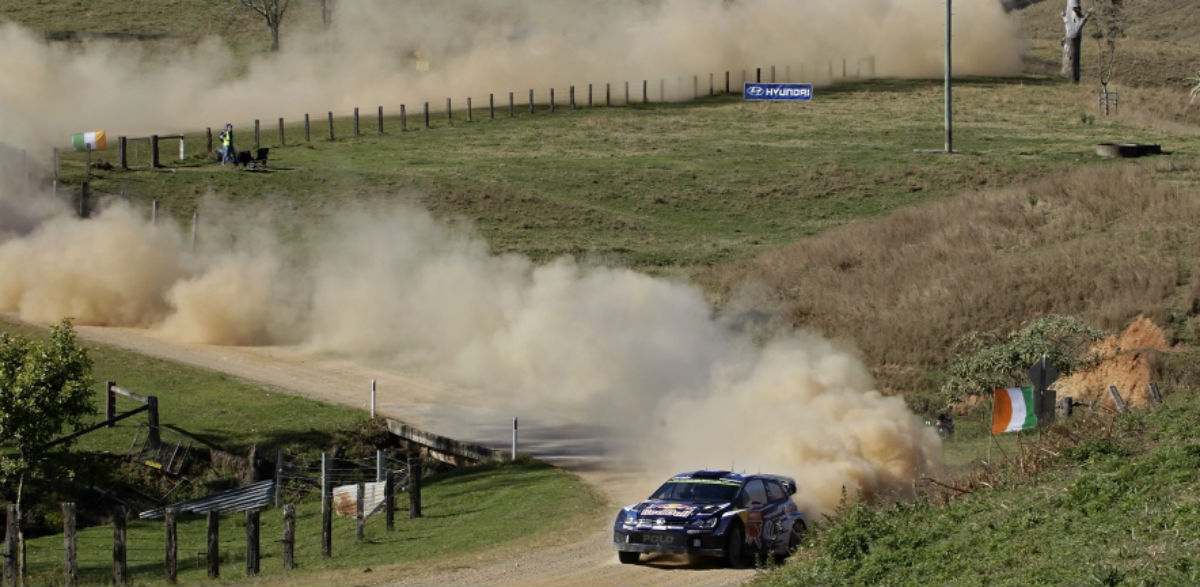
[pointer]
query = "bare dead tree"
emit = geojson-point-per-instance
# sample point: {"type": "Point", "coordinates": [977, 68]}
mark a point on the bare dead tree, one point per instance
{"type": "Point", "coordinates": [272, 11]}
{"type": "Point", "coordinates": [1073, 20]}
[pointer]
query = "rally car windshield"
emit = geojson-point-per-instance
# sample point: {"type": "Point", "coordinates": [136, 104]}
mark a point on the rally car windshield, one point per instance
{"type": "Point", "coordinates": [696, 491]}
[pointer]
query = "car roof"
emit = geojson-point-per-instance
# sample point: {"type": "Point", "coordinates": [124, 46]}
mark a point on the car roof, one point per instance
{"type": "Point", "coordinates": [731, 477]}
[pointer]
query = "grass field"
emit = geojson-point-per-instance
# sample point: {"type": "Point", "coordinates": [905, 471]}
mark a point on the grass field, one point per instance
{"type": "Point", "coordinates": [680, 185]}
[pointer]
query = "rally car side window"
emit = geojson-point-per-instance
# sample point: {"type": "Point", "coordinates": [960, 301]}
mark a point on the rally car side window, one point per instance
{"type": "Point", "coordinates": [754, 492]}
{"type": "Point", "coordinates": [775, 492]}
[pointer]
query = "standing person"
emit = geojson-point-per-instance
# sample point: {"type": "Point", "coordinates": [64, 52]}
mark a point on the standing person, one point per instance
{"type": "Point", "coordinates": [226, 150]}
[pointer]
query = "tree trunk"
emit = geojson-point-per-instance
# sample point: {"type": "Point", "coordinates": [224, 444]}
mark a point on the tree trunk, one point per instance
{"type": "Point", "coordinates": [275, 41]}
{"type": "Point", "coordinates": [1073, 21]}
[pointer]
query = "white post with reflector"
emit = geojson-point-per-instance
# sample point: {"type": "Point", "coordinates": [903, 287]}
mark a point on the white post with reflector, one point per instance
{"type": "Point", "coordinates": [514, 447]}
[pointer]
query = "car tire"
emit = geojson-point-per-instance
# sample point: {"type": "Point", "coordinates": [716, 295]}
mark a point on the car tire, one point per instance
{"type": "Point", "coordinates": [628, 558]}
{"type": "Point", "coordinates": [735, 547]}
{"type": "Point", "coordinates": [795, 538]}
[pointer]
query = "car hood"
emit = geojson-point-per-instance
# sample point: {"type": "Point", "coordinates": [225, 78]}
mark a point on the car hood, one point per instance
{"type": "Point", "coordinates": [678, 511]}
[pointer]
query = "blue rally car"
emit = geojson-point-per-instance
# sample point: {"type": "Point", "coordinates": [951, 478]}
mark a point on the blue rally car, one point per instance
{"type": "Point", "coordinates": [716, 513]}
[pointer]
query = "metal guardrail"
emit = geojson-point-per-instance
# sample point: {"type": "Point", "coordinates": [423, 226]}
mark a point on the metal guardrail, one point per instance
{"type": "Point", "coordinates": [254, 496]}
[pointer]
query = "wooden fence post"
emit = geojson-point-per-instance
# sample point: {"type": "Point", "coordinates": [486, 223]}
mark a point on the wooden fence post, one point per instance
{"type": "Point", "coordinates": [208, 140]}
{"type": "Point", "coordinates": [356, 121]}
{"type": "Point", "coordinates": [726, 81]}
{"type": "Point", "coordinates": [427, 115]}
{"type": "Point", "coordinates": [1155, 394]}
{"type": "Point", "coordinates": [1116, 395]}
{"type": "Point", "coordinates": [607, 94]}
{"type": "Point", "coordinates": [772, 74]}
{"type": "Point", "coordinates": [69, 545]}
{"type": "Point", "coordinates": [449, 112]}
{"type": "Point", "coordinates": [110, 401]}
{"type": "Point", "coordinates": [326, 508]}
{"type": "Point", "coordinates": [123, 150]}
{"type": "Point", "coordinates": [307, 128]}
{"type": "Point", "coordinates": [359, 518]}
{"type": "Point", "coordinates": [626, 93]}
{"type": "Point", "coordinates": [645, 91]}
{"type": "Point", "coordinates": [492, 106]}
{"type": "Point", "coordinates": [214, 544]}
{"type": "Point", "coordinates": [289, 536]}
{"type": "Point", "coordinates": [551, 100]}
{"type": "Point", "coordinates": [154, 151]}
{"type": "Point", "coordinates": [120, 549]}
{"type": "Point", "coordinates": [252, 533]}
{"type": "Point", "coordinates": [278, 477]}
{"type": "Point", "coordinates": [414, 484]}
{"type": "Point", "coordinates": [589, 95]}
{"type": "Point", "coordinates": [531, 101]}
{"type": "Point", "coordinates": [389, 500]}
{"type": "Point", "coordinates": [172, 547]}
{"type": "Point", "coordinates": [380, 118]}
{"type": "Point", "coordinates": [572, 97]}
{"type": "Point", "coordinates": [153, 437]}
{"type": "Point", "coordinates": [511, 105]}
{"type": "Point", "coordinates": [403, 119]}
{"type": "Point", "coordinates": [257, 134]}
{"type": "Point", "coordinates": [12, 529]}
{"type": "Point", "coordinates": [281, 137]}
{"type": "Point", "coordinates": [85, 194]}
{"type": "Point", "coordinates": [470, 116]}
{"type": "Point", "coordinates": [330, 117]}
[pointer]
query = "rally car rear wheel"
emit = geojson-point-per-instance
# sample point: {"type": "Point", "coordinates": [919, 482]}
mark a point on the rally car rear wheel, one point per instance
{"type": "Point", "coordinates": [794, 539]}
{"type": "Point", "coordinates": [628, 558]}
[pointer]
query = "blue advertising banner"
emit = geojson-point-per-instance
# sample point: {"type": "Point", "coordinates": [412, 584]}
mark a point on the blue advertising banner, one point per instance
{"type": "Point", "coordinates": [778, 92]}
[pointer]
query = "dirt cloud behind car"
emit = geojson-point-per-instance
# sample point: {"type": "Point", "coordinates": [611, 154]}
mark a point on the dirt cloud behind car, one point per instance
{"type": "Point", "coordinates": [644, 358]}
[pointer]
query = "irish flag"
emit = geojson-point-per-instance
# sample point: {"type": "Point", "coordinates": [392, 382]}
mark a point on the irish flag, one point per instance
{"type": "Point", "coordinates": [1013, 410]}
{"type": "Point", "coordinates": [94, 140]}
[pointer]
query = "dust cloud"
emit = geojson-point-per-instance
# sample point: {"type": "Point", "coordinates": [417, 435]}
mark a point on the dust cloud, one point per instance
{"type": "Point", "coordinates": [679, 384]}
{"type": "Point", "coordinates": [390, 53]}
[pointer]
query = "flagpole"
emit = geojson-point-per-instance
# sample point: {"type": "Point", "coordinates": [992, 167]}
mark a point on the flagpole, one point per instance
{"type": "Point", "coordinates": [991, 419]}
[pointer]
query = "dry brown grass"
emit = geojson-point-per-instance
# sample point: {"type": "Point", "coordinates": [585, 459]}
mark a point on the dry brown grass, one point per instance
{"type": "Point", "coordinates": [1102, 244]}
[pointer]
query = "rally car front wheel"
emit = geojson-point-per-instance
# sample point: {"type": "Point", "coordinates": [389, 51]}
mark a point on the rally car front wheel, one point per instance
{"type": "Point", "coordinates": [735, 547]}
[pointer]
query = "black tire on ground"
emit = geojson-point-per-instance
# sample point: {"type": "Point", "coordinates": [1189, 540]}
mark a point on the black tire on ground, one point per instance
{"type": "Point", "coordinates": [794, 539]}
{"type": "Point", "coordinates": [628, 558]}
{"type": "Point", "coordinates": [735, 547]}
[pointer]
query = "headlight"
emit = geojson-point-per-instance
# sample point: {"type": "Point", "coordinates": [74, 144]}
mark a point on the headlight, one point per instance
{"type": "Point", "coordinates": [628, 517]}
{"type": "Point", "coordinates": [704, 523]}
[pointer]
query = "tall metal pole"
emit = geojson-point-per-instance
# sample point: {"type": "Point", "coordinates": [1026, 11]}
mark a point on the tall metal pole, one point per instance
{"type": "Point", "coordinates": [949, 107]}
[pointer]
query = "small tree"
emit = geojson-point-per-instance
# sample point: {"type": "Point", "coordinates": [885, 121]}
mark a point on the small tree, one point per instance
{"type": "Point", "coordinates": [1195, 81]}
{"type": "Point", "coordinates": [1111, 26]}
{"type": "Point", "coordinates": [986, 361]}
{"type": "Point", "coordinates": [272, 11]}
{"type": "Point", "coordinates": [44, 387]}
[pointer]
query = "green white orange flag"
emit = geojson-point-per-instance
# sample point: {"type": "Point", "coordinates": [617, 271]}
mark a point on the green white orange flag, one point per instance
{"type": "Point", "coordinates": [94, 140]}
{"type": "Point", "coordinates": [1013, 410]}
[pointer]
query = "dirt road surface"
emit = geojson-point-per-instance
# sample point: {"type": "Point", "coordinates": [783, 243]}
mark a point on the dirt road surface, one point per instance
{"type": "Point", "coordinates": [467, 416]}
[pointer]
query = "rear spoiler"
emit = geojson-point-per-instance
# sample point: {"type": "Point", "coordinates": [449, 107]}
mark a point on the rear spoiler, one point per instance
{"type": "Point", "coordinates": [787, 482]}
